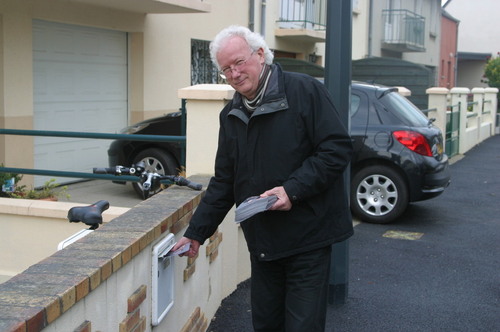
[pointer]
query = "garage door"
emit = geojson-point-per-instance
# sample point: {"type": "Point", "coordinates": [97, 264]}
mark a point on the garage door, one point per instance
{"type": "Point", "coordinates": [80, 84]}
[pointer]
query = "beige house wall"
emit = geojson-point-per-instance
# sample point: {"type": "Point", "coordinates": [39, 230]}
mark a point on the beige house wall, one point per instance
{"type": "Point", "coordinates": [16, 72]}
{"type": "Point", "coordinates": [167, 50]}
{"type": "Point", "coordinates": [150, 55]}
{"type": "Point", "coordinates": [159, 47]}
{"type": "Point", "coordinates": [360, 18]}
{"type": "Point", "coordinates": [33, 229]}
{"type": "Point", "coordinates": [16, 77]}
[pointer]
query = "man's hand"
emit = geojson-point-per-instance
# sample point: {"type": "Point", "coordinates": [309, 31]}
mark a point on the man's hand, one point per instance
{"type": "Point", "coordinates": [283, 203]}
{"type": "Point", "coordinates": [193, 250]}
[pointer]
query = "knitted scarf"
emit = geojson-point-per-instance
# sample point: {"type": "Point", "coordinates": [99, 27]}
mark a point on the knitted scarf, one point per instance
{"type": "Point", "coordinates": [264, 76]}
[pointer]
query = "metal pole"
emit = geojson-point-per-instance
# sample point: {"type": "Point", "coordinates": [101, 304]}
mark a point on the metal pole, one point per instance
{"type": "Point", "coordinates": [338, 82]}
{"type": "Point", "coordinates": [129, 137]}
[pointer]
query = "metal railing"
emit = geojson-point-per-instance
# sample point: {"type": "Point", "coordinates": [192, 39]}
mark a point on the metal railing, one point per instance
{"type": "Point", "coordinates": [486, 101]}
{"type": "Point", "coordinates": [129, 137]}
{"type": "Point", "coordinates": [306, 14]}
{"type": "Point", "coordinates": [404, 29]}
{"type": "Point", "coordinates": [452, 129]}
{"type": "Point", "coordinates": [426, 111]}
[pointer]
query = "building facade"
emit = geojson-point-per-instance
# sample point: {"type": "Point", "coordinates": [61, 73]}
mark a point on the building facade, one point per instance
{"type": "Point", "coordinates": [94, 66]}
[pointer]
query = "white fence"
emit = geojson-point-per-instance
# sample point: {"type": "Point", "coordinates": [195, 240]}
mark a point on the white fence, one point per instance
{"type": "Point", "coordinates": [476, 110]}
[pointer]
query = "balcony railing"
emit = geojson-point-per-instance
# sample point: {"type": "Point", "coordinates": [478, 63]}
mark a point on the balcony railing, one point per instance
{"type": "Point", "coordinates": [403, 31]}
{"type": "Point", "coordinates": [303, 14]}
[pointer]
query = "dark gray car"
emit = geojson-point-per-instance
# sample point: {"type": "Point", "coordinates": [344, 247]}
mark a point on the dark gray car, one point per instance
{"type": "Point", "coordinates": [398, 155]}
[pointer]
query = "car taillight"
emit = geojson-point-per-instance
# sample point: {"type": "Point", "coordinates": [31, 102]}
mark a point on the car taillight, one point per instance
{"type": "Point", "coordinates": [413, 141]}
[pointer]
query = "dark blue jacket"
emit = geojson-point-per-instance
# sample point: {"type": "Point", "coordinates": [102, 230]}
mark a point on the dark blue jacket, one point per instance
{"type": "Point", "coordinates": [295, 139]}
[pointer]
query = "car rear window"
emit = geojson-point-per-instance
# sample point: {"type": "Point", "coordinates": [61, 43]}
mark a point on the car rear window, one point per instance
{"type": "Point", "coordinates": [404, 110]}
{"type": "Point", "coordinates": [359, 109]}
{"type": "Point", "coordinates": [355, 101]}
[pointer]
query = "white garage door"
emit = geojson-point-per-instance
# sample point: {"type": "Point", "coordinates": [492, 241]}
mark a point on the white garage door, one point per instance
{"type": "Point", "coordinates": [80, 84]}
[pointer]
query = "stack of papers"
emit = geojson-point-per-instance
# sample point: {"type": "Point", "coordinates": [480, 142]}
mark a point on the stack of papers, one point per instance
{"type": "Point", "coordinates": [179, 251]}
{"type": "Point", "coordinates": [253, 205]}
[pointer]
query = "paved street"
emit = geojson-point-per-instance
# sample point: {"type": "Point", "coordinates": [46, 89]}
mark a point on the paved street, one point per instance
{"type": "Point", "coordinates": [435, 269]}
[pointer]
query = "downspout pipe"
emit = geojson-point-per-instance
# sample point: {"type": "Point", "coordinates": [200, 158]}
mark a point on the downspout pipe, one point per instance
{"type": "Point", "coordinates": [263, 5]}
{"type": "Point", "coordinates": [251, 15]}
{"type": "Point", "coordinates": [370, 23]}
{"type": "Point", "coordinates": [455, 79]}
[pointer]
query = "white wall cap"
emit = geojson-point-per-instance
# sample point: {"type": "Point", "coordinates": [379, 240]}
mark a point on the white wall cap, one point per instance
{"type": "Point", "coordinates": [459, 90]}
{"type": "Point", "coordinates": [49, 209]}
{"type": "Point", "coordinates": [437, 91]}
{"type": "Point", "coordinates": [207, 92]}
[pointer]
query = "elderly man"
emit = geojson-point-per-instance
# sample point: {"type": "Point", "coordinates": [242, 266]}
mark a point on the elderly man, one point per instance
{"type": "Point", "coordinates": [281, 136]}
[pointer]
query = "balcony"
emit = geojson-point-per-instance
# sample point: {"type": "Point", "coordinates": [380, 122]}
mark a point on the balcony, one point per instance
{"type": "Point", "coordinates": [151, 6]}
{"type": "Point", "coordinates": [302, 20]}
{"type": "Point", "coordinates": [403, 31]}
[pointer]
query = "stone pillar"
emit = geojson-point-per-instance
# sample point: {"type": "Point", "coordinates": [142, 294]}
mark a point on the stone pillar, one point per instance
{"type": "Point", "coordinates": [490, 94]}
{"type": "Point", "coordinates": [438, 99]}
{"type": "Point", "coordinates": [459, 95]}
{"type": "Point", "coordinates": [477, 108]}
{"type": "Point", "coordinates": [203, 104]}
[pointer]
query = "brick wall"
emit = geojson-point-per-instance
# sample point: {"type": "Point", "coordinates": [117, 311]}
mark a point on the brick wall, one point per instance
{"type": "Point", "coordinates": [36, 298]}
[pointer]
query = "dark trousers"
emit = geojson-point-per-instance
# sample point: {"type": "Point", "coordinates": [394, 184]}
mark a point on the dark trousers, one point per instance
{"type": "Point", "coordinates": [290, 294]}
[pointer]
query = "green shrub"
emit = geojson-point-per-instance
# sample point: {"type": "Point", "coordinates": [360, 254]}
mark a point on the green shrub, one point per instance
{"type": "Point", "coordinates": [492, 72]}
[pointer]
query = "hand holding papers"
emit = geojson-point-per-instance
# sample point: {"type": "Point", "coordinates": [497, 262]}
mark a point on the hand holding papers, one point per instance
{"type": "Point", "coordinates": [179, 251]}
{"type": "Point", "coordinates": [253, 205]}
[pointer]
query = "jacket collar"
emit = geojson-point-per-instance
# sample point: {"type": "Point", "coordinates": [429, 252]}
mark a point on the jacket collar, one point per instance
{"type": "Point", "coordinates": [274, 99]}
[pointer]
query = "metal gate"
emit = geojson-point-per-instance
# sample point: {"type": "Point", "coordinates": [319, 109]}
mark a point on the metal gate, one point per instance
{"type": "Point", "coordinates": [452, 129]}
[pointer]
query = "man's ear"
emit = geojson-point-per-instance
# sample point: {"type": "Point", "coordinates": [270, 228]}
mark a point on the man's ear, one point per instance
{"type": "Point", "coordinates": [260, 52]}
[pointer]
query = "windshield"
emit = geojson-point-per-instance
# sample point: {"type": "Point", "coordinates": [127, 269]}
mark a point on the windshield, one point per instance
{"type": "Point", "coordinates": [404, 110]}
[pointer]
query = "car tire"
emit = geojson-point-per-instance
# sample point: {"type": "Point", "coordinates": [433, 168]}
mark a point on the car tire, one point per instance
{"type": "Point", "coordinates": [158, 161]}
{"type": "Point", "coordinates": [379, 194]}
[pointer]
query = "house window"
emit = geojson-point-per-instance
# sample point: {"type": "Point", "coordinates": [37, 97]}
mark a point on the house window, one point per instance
{"type": "Point", "coordinates": [203, 71]}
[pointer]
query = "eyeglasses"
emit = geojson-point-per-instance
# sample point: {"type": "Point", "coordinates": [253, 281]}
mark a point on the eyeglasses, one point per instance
{"type": "Point", "coordinates": [227, 71]}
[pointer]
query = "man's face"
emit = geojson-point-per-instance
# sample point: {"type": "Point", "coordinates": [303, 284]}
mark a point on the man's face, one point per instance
{"type": "Point", "coordinates": [241, 66]}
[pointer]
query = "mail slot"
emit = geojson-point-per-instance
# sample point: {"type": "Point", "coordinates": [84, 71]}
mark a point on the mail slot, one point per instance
{"type": "Point", "coordinates": [162, 279]}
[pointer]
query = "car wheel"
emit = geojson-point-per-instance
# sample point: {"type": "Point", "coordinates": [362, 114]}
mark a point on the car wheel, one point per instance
{"type": "Point", "coordinates": [158, 161]}
{"type": "Point", "coordinates": [378, 194]}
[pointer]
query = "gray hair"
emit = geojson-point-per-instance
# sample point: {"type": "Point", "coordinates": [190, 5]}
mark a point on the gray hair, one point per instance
{"type": "Point", "coordinates": [253, 39]}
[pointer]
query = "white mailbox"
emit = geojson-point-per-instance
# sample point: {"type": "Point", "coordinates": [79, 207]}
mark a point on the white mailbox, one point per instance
{"type": "Point", "coordinates": [162, 279]}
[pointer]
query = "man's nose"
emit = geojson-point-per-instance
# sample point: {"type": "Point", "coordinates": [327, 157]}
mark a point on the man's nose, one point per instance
{"type": "Point", "coordinates": [235, 72]}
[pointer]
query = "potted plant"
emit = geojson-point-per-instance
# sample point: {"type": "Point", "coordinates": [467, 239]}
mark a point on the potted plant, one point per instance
{"type": "Point", "coordinates": [49, 191]}
{"type": "Point", "coordinates": [8, 183]}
